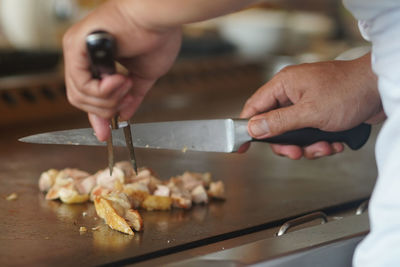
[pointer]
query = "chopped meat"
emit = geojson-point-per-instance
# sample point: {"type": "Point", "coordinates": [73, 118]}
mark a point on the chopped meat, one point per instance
{"type": "Point", "coordinates": [191, 180]}
{"type": "Point", "coordinates": [136, 198]}
{"type": "Point", "coordinates": [127, 169]}
{"type": "Point", "coordinates": [71, 196]}
{"type": "Point", "coordinates": [12, 197]}
{"type": "Point", "coordinates": [54, 192]}
{"type": "Point", "coordinates": [180, 201]}
{"type": "Point", "coordinates": [99, 191]}
{"type": "Point", "coordinates": [199, 195]}
{"type": "Point", "coordinates": [117, 196]}
{"type": "Point", "coordinates": [64, 186]}
{"type": "Point", "coordinates": [217, 190]}
{"type": "Point", "coordinates": [157, 203]}
{"type": "Point", "coordinates": [105, 180]}
{"type": "Point", "coordinates": [119, 201]}
{"type": "Point", "coordinates": [86, 185]}
{"type": "Point", "coordinates": [137, 186]}
{"type": "Point", "coordinates": [47, 180]}
{"type": "Point", "coordinates": [134, 219]}
{"type": "Point", "coordinates": [181, 198]}
{"type": "Point", "coordinates": [106, 211]}
{"type": "Point", "coordinates": [162, 190]}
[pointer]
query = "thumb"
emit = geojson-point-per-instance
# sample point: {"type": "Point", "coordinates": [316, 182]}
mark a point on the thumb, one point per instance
{"type": "Point", "coordinates": [100, 126]}
{"type": "Point", "coordinates": [278, 121]}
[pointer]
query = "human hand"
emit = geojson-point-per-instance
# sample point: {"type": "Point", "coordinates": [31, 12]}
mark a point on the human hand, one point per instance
{"type": "Point", "coordinates": [145, 51]}
{"type": "Point", "coordinates": [331, 96]}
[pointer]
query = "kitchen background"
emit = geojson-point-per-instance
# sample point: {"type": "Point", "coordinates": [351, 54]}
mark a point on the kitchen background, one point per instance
{"type": "Point", "coordinates": [221, 63]}
{"type": "Point", "coordinates": [237, 52]}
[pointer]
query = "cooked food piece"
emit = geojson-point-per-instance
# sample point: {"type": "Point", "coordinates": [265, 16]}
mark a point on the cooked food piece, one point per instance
{"type": "Point", "coordinates": [199, 195]}
{"type": "Point", "coordinates": [47, 180]}
{"type": "Point", "coordinates": [217, 190]}
{"type": "Point", "coordinates": [157, 203]}
{"type": "Point", "coordinates": [71, 196]}
{"type": "Point", "coordinates": [134, 219]}
{"type": "Point", "coordinates": [106, 211]}
{"type": "Point", "coordinates": [162, 190]}
{"type": "Point", "coordinates": [82, 229]}
{"type": "Point", "coordinates": [136, 186]}
{"type": "Point", "coordinates": [98, 191]}
{"type": "Point", "coordinates": [85, 185]}
{"type": "Point", "coordinates": [136, 198]}
{"type": "Point", "coordinates": [180, 201]}
{"type": "Point", "coordinates": [64, 186]}
{"type": "Point", "coordinates": [127, 169]}
{"type": "Point", "coordinates": [119, 201]}
{"type": "Point", "coordinates": [54, 192]}
{"type": "Point", "coordinates": [105, 180]}
{"type": "Point", "coordinates": [191, 180]}
{"type": "Point", "coordinates": [181, 198]}
{"type": "Point", "coordinates": [117, 196]}
{"type": "Point", "coordinates": [12, 197]}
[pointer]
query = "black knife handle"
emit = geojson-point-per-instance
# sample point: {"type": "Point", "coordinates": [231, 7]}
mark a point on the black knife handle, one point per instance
{"type": "Point", "coordinates": [101, 50]}
{"type": "Point", "coordinates": [355, 138]}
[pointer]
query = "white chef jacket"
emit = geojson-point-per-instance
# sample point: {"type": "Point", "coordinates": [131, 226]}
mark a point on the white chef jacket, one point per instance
{"type": "Point", "coordinates": [379, 21]}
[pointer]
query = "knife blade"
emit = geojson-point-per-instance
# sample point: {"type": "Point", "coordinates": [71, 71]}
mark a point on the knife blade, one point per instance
{"type": "Point", "coordinates": [222, 135]}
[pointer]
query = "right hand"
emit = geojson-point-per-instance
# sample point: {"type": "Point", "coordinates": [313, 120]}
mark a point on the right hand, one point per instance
{"type": "Point", "coordinates": [145, 51]}
{"type": "Point", "coordinates": [330, 96]}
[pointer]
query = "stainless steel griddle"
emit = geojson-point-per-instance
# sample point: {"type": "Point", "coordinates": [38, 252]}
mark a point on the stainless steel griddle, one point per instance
{"type": "Point", "coordinates": [263, 192]}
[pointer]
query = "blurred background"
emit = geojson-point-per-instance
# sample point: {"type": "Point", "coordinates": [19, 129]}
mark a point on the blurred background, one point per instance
{"type": "Point", "coordinates": [222, 61]}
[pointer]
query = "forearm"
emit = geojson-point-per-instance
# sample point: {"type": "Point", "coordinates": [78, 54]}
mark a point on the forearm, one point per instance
{"type": "Point", "coordinates": [159, 14]}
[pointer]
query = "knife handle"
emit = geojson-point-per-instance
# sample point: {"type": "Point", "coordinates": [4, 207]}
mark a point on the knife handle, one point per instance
{"type": "Point", "coordinates": [355, 138]}
{"type": "Point", "coordinates": [101, 49]}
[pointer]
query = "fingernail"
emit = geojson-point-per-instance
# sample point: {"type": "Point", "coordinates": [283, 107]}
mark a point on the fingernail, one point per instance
{"type": "Point", "coordinates": [259, 127]}
{"type": "Point", "coordinates": [317, 154]}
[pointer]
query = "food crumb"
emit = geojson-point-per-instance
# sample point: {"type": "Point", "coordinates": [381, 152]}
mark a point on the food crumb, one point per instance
{"type": "Point", "coordinates": [184, 149]}
{"type": "Point", "coordinates": [84, 213]}
{"type": "Point", "coordinates": [82, 229]}
{"type": "Point", "coordinates": [96, 228]}
{"type": "Point", "coordinates": [47, 238]}
{"type": "Point", "coordinates": [168, 241]}
{"type": "Point", "coordinates": [11, 197]}
{"type": "Point", "coordinates": [147, 146]}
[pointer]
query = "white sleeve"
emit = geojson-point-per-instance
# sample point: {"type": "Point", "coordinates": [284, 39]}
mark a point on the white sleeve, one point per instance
{"type": "Point", "coordinates": [364, 29]}
{"type": "Point", "coordinates": [381, 246]}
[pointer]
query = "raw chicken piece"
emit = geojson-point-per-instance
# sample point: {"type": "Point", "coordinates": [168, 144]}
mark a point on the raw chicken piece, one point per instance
{"type": "Point", "coordinates": [199, 195]}
{"type": "Point", "coordinates": [47, 180]}
{"type": "Point", "coordinates": [217, 190]}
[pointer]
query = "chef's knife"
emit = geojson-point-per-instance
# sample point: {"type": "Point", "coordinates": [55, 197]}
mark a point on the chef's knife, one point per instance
{"type": "Point", "coordinates": [223, 135]}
